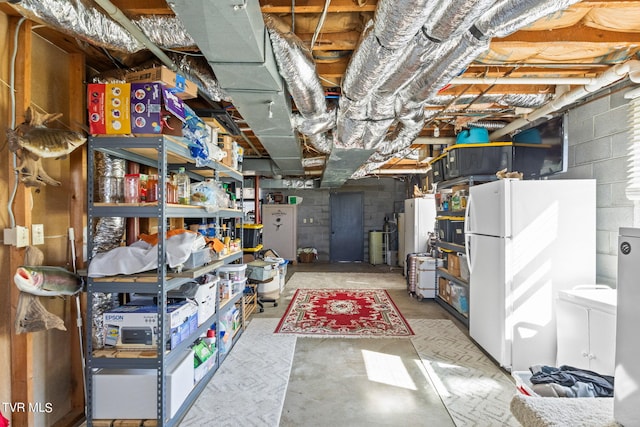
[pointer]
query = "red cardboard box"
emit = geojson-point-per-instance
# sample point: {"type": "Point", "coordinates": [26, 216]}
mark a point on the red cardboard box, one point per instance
{"type": "Point", "coordinates": [155, 110]}
{"type": "Point", "coordinates": [109, 108]}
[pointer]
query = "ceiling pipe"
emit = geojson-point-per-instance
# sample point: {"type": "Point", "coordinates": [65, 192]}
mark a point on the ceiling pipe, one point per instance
{"type": "Point", "coordinates": [617, 72]}
{"type": "Point", "coordinates": [400, 171]}
{"type": "Point", "coordinates": [524, 80]}
{"type": "Point", "coordinates": [117, 15]}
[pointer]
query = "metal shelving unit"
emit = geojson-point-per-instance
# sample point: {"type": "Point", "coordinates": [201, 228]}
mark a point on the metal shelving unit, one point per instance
{"type": "Point", "coordinates": [161, 153]}
{"type": "Point", "coordinates": [444, 246]}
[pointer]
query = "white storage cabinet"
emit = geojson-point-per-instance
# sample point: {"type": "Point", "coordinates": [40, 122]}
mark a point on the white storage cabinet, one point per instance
{"type": "Point", "coordinates": [586, 323]}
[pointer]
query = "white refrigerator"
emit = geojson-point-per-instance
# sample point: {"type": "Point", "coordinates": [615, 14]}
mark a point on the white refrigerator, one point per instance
{"type": "Point", "coordinates": [525, 241]}
{"type": "Point", "coordinates": [419, 221]}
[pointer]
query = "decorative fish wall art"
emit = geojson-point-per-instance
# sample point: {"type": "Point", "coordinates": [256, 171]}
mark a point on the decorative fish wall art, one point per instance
{"type": "Point", "coordinates": [33, 140]}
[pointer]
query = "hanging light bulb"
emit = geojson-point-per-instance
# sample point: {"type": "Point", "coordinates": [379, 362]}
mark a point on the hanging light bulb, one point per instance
{"type": "Point", "coordinates": [436, 131]}
{"type": "Point", "coordinates": [270, 112]}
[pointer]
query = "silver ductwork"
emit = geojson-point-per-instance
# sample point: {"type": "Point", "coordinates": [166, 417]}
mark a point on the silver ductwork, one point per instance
{"type": "Point", "coordinates": [407, 54]}
{"type": "Point", "coordinates": [450, 19]}
{"type": "Point", "coordinates": [508, 16]}
{"type": "Point", "coordinates": [237, 45]}
{"type": "Point", "coordinates": [108, 187]}
{"type": "Point", "coordinates": [81, 20]}
{"type": "Point", "coordinates": [297, 68]}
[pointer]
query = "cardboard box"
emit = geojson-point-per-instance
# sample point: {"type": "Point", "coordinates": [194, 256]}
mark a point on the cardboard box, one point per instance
{"type": "Point", "coordinates": [131, 393]}
{"type": "Point", "coordinates": [155, 110]}
{"type": "Point", "coordinates": [175, 82]}
{"type": "Point", "coordinates": [453, 264]}
{"type": "Point", "coordinates": [444, 289]}
{"type": "Point", "coordinates": [136, 326]}
{"type": "Point", "coordinates": [109, 108]}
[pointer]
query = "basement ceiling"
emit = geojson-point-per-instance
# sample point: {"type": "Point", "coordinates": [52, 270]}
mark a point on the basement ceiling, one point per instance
{"type": "Point", "coordinates": [498, 80]}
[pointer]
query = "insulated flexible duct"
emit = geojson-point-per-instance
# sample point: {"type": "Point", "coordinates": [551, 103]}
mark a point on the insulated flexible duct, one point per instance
{"type": "Point", "coordinates": [453, 18]}
{"type": "Point", "coordinates": [82, 20]}
{"type": "Point", "coordinates": [397, 22]}
{"type": "Point", "coordinates": [297, 68]}
{"type": "Point", "coordinates": [508, 16]}
{"type": "Point", "coordinates": [109, 173]}
{"type": "Point", "coordinates": [369, 63]}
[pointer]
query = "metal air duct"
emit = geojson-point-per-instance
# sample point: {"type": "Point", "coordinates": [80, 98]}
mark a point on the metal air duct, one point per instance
{"type": "Point", "coordinates": [233, 38]}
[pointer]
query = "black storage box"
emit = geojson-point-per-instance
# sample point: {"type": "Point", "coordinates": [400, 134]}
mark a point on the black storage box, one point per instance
{"type": "Point", "coordinates": [251, 235]}
{"type": "Point", "coordinates": [437, 167]}
{"type": "Point", "coordinates": [451, 230]}
{"type": "Point", "coordinates": [478, 159]}
{"type": "Point", "coordinates": [529, 159]}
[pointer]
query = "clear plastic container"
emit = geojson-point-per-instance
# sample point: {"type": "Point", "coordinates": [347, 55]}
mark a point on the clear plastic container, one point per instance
{"type": "Point", "coordinates": [152, 188]}
{"type": "Point", "coordinates": [131, 188]}
{"type": "Point", "coordinates": [183, 185]}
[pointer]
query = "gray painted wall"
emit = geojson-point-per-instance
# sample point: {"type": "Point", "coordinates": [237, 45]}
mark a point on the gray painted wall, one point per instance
{"type": "Point", "coordinates": [599, 148]}
{"type": "Point", "coordinates": [314, 226]}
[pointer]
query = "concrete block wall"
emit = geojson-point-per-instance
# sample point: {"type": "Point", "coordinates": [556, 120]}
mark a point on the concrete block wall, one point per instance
{"type": "Point", "coordinates": [314, 216]}
{"type": "Point", "coordinates": [599, 148]}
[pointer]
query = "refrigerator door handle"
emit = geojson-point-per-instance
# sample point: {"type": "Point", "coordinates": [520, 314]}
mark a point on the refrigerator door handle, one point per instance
{"type": "Point", "coordinates": [467, 249]}
{"type": "Point", "coordinates": [467, 226]}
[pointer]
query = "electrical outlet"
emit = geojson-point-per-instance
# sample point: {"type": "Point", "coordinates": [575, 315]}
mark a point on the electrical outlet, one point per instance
{"type": "Point", "coordinates": [310, 220]}
{"type": "Point", "coordinates": [9, 236]}
{"type": "Point", "coordinates": [304, 220]}
{"type": "Point", "coordinates": [37, 234]}
{"type": "Point", "coordinates": [22, 236]}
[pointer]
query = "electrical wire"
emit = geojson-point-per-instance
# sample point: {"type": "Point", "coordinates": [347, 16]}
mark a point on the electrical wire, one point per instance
{"type": "Point", "coordinates": [320, 24]}
{"type": "Point", "coordinates": [293, 16]}
{"type": "Point", "coordinates": [12, 90]}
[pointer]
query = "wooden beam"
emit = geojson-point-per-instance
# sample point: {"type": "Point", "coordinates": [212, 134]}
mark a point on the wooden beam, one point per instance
{"type": "Point", "coordinates": [316, 6]}
{"type": "Point", "coordinates": [574, 34]}
{"type": "Point", "coordinates": [332, 41]}
{"type": "Point", "coordinates": [22, 390]}
{"type": "Point", "coordinates": [148, 7]}
{"type": "Point", "coordinates": [77, 216]}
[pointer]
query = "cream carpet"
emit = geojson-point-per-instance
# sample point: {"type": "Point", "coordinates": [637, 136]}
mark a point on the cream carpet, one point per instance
{"type": "Point", "coordinates": [249, 387]}
{"type": "Point", "coordinates": [559, 412]}
{"type": "Point", "coordinates": [346, 281]}
{"type": "Point", "coordinates": [474, 390]}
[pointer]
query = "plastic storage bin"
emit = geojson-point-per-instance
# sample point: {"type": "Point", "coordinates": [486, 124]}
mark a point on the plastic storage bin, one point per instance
{"type": "Point", "coordinates": [473, 136]}
{"type": "Point", "coordinates": [437, 167]}
{"type": "Point", "coordinates": [251, 235]}
{"type": "Point", "coordinates": [478, 159]}
{"type": "Point", "coordinates": [529, 159]}
{"type": "Point", "coordinates": [451, 229]}
{"type": "Point", "coordinates": [460, 299]}
{"type": "Point", "coordinates": [261, 270]}
{"type": "Point", "coordinates": [233, 272]}
{"type": "Point", "coordinates": [523, 382]}
{"type": "Point", "coordinates": [198, 258]}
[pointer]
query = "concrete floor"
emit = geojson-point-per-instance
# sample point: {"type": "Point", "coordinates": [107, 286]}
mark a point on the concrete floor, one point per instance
{"type": "Point", "coordinates": [333, 384]}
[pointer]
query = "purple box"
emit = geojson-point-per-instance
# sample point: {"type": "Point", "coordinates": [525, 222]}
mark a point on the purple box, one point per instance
{"type": "Point", "coordinates": [155, 110]}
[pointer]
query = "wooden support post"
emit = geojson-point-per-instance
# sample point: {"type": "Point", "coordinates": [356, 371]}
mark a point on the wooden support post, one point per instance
{"type": "Point", "coordinates": [22, 391]}
{"type": "Point", "coordinates": [77, 220]}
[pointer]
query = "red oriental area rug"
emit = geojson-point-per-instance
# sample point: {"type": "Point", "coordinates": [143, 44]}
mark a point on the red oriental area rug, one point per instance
{"type": "Point", "coordinates": [358, 313]}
